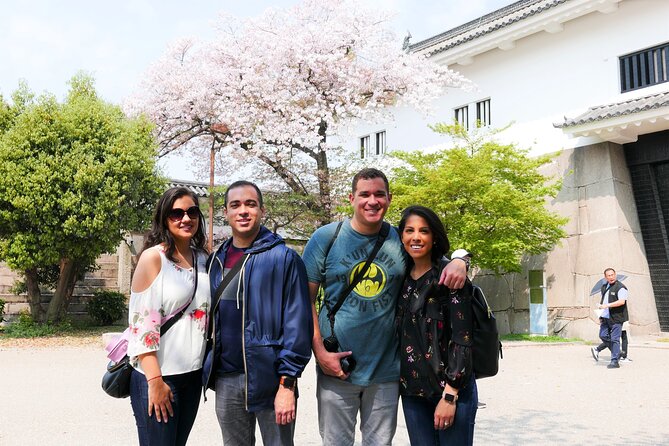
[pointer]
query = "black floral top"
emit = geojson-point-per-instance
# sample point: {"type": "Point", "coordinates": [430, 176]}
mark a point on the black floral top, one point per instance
{"type": "Point", "coordinates": [434, 328]}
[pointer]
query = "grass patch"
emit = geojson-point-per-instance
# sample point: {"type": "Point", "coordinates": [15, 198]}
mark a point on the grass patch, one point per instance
{"type": "Point", "coordinates": [536, 338]}
{"type": "Point", "coordinates": [25, 327]}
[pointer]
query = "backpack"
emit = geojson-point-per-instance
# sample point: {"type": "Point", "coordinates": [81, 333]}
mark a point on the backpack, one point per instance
{"type": "Point", "coordinates": [486, 346]}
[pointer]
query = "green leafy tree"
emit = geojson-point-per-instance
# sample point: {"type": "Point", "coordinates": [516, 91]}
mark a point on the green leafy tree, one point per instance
{"type": "Point", "coordinates": [491, 197]}
{"type": "Point", "coordinates": [293, 212]}
{"type": "Point", "coordinates": [74, 177]}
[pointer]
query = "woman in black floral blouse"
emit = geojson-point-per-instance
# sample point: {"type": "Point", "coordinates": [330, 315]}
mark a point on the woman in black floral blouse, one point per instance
{"type": "Point", "coordinates": [439, 395]}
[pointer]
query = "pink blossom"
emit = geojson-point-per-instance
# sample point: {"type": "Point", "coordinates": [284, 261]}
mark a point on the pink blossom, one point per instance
{"type": "Point", "coordinates": [280, 83]}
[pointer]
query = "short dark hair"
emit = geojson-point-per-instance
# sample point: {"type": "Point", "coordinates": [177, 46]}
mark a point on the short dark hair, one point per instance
{"type": "Point", "coordinates": [242, 183]}
{"type": "Point", "coordinates": [439, 237]}
{"type": "Point", "coordinates": [609, 269]}
{"type": "Point", "coordinates": [369, 173]}
{"type": "Point", "coordinates": [160, 233]}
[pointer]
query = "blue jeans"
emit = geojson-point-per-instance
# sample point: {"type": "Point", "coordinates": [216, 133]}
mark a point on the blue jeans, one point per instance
{"type": "Point", "coordinates": [419, 416]}
{"type": "Point", "coordinates": [238, 426]}
{"type": "Point", "coordinates": [338, 405]}
{"type": "Point", "coordinates": [186, 389]}
{"type": "Point", "coordinates": [609, 333]}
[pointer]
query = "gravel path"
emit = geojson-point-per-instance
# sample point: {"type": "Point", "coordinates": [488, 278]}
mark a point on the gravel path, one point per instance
{"type": "Point", "coordinates": [544, 395]}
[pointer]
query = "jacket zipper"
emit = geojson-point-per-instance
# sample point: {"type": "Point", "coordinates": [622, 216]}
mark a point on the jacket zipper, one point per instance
{"type": "Point", "coordinates": [212, 314]}
{"type": "Point", "coordinates": [246, 372]}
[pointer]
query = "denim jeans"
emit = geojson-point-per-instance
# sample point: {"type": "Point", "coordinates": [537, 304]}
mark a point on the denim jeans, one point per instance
{"type": "Point", "coordinates": [238, 426]}
{"type": "Point", "coordinates": [609, 333]}
{"type": "Point", "coordinates": [419, 416]}
{"type": "Point", "coordinates": [338, 405]}
{"type": "Point", "coordinates": [186, 389]}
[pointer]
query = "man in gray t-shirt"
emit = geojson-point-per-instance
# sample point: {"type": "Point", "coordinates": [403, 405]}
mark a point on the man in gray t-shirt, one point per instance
{"type": "Point", "coordinates": [364, 324]}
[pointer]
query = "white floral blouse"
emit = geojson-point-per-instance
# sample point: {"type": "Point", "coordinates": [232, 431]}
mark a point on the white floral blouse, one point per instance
{"type": "Point", "coordinates": [181, 350]}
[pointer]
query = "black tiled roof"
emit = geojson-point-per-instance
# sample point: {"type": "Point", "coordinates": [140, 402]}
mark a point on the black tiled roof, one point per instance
{"type": "Point", "coordinates": [488, 23]}
{"type": "Point", "coordinates": [628, 107]}
{"type": "Point", "coordinates": [200, 189]}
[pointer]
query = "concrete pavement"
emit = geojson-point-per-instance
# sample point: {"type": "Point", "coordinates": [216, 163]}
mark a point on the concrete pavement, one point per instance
{"type": "Point", "coordinates": [543, 395]}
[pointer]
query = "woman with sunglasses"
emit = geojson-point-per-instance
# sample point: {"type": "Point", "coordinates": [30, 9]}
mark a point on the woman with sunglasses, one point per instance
{"type": "Point", "coordinates": [170, 277]}
{"type": "Point", "coordinates": [438, 389]}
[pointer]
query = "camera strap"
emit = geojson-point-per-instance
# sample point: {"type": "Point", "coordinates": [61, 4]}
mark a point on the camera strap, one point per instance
{"type": "Point", "coordinates": [383, 234]}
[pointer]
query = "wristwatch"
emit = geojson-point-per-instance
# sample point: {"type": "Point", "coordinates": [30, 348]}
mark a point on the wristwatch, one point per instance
{"type": "Point", "coordinates": [288, 382]}
{"type": "Point", "coordinates": [450, 398]}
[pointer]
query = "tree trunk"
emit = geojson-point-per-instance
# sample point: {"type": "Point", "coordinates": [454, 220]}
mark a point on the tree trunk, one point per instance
{"type": "Point", "coordinates": [34, 295]}
{"type": "Point", "coordinates": [64, 289]}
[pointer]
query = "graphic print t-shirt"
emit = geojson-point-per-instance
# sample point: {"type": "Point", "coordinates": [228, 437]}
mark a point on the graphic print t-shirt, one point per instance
{"type": "Point", "coordinates": [365, 322]}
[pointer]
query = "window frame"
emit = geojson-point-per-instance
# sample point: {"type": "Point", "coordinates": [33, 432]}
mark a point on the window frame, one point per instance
{"type": "Point", "coordinates": [644, 68]}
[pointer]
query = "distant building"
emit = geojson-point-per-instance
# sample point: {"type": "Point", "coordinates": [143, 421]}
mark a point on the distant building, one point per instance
{"type": "Point", "coordinates": [588, 77]}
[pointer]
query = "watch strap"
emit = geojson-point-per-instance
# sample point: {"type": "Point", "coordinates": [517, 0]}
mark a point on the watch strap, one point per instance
{"type": "Point", "coordinates": [449, 397]}
{"type": "Point", "coordinates": [288, 382]}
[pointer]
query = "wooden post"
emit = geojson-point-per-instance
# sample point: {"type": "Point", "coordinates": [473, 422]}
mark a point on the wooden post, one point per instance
{"type": "Point", "coordinates": [222, 129]}
{"type": "Point", "coordinates": [211, 196]}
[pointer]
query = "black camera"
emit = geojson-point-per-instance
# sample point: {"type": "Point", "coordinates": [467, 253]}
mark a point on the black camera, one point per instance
{"type": "Point", "coordinates": [331, 344]}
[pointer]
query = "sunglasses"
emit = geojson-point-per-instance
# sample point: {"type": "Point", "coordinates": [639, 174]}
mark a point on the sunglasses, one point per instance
{"type": "Point", "coordinates": [177, 214]}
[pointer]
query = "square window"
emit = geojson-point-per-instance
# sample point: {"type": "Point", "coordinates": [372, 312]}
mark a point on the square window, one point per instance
{"type": "Point", "coordinates": [380, 143]}
{"type": "Point", "coordinates": [462, 116]}
{"type": "Point", "coordinates": [364, 146]}
{"type": "Point", "coordinates": [644, 68]}
{"type": "Point", "coordinates": [483, 113]}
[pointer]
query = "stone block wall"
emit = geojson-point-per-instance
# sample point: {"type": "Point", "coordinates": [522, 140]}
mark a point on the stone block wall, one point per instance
{"type": "Point", "coordinates": [113, 274]}
{"type": "Point", "coordinates": [603, 231]}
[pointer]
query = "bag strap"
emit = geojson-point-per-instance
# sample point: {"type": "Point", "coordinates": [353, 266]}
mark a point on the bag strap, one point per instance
{"type": "Point", "coordinates": [221, 287]}
{"type": "Point", "coordinates": [321, 295]}
{"type": "Point", "coordinates": [383, 234]}
{"type": "Point", "coordinates": [332, 240]}
{"type": "Point", "coordinates": [173, 320]}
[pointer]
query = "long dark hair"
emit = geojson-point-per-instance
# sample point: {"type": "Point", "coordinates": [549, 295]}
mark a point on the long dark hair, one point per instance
{"type": "Point", "coordinates": [160, 233]}
{"type": "Point", "coordinates": [441, 244]}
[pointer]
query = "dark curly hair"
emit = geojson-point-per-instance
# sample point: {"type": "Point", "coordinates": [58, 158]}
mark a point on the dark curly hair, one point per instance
{"type": "Point", "coordinates": [439, 237]}
{"type": "Point", "coordinates": [160, 233]}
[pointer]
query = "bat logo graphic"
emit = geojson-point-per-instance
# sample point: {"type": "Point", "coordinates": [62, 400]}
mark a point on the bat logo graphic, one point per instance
{"type": "Point", "coordinates": [372, 283]}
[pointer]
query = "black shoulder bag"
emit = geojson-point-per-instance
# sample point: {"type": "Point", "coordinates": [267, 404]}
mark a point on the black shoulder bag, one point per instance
{"type": "Point", "coordinates": [116, 380]}
{"type": "Point", "coordinates": [331, 343]}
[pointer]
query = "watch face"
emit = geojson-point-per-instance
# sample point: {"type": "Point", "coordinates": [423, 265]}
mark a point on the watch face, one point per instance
{"type": "Point", "coordinates": [448, 397]}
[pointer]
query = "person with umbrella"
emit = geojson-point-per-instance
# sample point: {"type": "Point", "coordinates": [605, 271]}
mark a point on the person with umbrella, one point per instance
{"type": "Point", "coordinates": [613, 304]}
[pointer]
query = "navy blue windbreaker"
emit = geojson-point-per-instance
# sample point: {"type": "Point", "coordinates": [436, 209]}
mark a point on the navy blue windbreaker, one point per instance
{"type": "Point", "coordinates": [278, 324]}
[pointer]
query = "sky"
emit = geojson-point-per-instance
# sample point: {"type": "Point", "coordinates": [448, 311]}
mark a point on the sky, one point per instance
{"type": "Point", "coordinates": [46, 42]}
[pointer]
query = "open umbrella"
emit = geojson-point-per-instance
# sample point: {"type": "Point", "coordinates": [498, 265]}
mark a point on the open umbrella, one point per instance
{"type": "Point", "coordinates": [598, 286]}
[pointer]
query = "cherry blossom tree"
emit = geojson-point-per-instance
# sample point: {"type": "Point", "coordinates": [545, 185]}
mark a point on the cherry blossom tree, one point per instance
{"type": "Point", "coordinates": [267, 92]}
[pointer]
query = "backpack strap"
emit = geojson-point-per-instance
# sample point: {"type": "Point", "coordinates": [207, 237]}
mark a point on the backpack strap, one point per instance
{"type": "Point", "coordinates": [325, 259]}
{"type": "Point", "coordinates": [332, 240]}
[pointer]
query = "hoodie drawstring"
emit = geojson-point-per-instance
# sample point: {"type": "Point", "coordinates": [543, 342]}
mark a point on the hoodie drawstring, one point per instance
{"type": "Point", "coordinates": [241, 279]}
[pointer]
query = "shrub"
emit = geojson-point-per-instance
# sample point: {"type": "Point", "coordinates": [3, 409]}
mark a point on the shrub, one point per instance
{"type": "Point", "coordinates": [25, 327]}
{"type": "Point", "coordinates": [2, 309]}
{"type": "Point", "coordinates": [106, 307]}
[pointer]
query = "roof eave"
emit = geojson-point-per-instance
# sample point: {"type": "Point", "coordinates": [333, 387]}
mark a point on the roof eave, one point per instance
{"type": "Point", "coordinates": [551, 20]}
{"type": "Point", "coordinates": [621, 129]}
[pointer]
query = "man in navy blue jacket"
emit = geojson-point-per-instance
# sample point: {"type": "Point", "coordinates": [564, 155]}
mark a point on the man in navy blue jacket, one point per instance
{"type": "Point", "coordinates": [262, 330]}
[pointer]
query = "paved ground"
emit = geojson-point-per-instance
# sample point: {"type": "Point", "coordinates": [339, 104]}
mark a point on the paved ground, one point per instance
{"type": "Point", "coordinates": [544, 395]}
